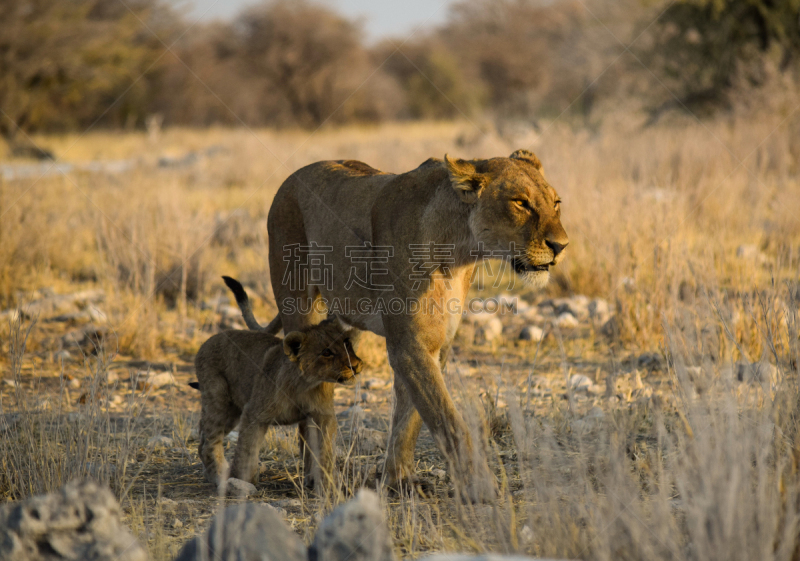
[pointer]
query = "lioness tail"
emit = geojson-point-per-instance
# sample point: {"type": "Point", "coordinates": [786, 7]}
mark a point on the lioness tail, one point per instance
{"type": "Point", "coordinates": [244, 303]}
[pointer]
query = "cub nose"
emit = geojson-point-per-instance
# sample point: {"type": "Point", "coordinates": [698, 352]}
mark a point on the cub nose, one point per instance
{"type": "Point", "coordinates": [356, 368]}
{"type": "Point", "coordinates": [556, 247]}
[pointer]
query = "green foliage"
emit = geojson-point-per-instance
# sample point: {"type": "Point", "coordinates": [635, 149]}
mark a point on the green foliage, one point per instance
{"type": "Point", "coordinates": [703, 48]}
{"type": "Point", "coordinates": [66, 64]}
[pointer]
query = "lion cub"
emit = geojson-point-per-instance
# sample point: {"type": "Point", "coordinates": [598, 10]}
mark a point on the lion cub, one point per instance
{"type": "Point", "coordinates": [262, 380]}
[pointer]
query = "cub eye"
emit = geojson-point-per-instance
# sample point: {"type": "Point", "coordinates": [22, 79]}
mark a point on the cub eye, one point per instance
{"type": "Point", "coordinates": [327, 353]}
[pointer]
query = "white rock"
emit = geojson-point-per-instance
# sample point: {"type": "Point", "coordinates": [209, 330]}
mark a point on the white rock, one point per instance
{"type": "Point", "coordinates": [11, 383]}
{"type": "Point", "coordinates": [750, 252]}
{"type": "Point", "coordinates": [599, 308]}
{"type": "Point", "coordinates": [490, 331]}
{"type": "Point", "coordinates": [580, 383]}
{"type": "Point", "coordinates": [531, 333]}
{"type": "Point", "coordinates": [160, 441]}
{"type": "Point", "coordinates": [233, 437]}
{"type": "Point", "coordinates": [367, 397]}
{"type": "Point", "coordinates": [370, 441]}
{"type": "Point", "coordinates": [566, 321]}
{"type": "Point", "coordinates": [756, 372]}
{"type": "Point", "coordinates": [439, 474]}
{"type": "Point", "coordinates": [238, 488]}
{"type": "Point", "coordinates": [153, 380]}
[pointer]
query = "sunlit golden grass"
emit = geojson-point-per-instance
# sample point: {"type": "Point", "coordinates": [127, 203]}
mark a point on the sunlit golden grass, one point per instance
{"type": "Point", "coordinates": [690, 231]}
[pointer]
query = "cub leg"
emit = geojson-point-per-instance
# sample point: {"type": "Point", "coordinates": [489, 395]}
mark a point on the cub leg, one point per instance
{"type": "Point", "coordinates": [321, 434]}
{"type": "Point", "coordinates": [218, 416]}
{"type": "Point", "coordinates": [251, 437]}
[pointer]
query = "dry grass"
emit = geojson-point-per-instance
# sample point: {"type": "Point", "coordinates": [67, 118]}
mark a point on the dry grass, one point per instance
{"type": "Point", "coordinates": [698, 466]}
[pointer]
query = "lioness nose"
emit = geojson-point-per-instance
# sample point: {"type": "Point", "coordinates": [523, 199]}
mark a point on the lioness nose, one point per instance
{"type": "Point", "coordinates": [556, 247]}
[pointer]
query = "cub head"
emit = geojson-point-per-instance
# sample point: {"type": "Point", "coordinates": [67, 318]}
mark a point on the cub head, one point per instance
{"type": "Point", "coordinates": [515, 213]}
{"type": "Point", "coordinates": [325, 352]}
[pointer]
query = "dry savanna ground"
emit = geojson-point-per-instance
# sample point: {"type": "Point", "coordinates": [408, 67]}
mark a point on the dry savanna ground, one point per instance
{"type": "Point", "coordinates": [636, 428]}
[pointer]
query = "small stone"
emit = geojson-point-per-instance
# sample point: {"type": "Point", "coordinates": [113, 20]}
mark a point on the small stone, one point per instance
{"type": "Point", "coordinates": [650, 361]}
{"type": "Point", "coordinates": [233, 437]}
{"type": "Point", "coordinates": [611, 328]}
{"type": "Point", "coordinates": [177, 523]}
{"type": "Point", "coordinates": [194, 434]}
{"type": "Point", "coordinates": [531, 333]}
{"type": "Point", "coordinates": [146, 381]}
{"type": "Point", "coordinates": [580, 383]}
{"type": "Point", "coordinates": [599, 308]}
{"type": "Point", "coordinates": [371, 441]}
{"type": "Point", "coordinates": [756, 372]}
{"type": "Point", "coordinates": [526, 536]}
{"type": "Point", "coordinates": [750, 252]}
{"type": "Point", "coordinates": [374, 384]}
{"type": "Point", "coordinates": [62, 355]}
{"type": "Point", "coordinates": [74, 384]}
{"type": "Point", "coordinates": [489, 331]}
{"type": "Point", "coordinates": [367, 397]}
{"type": "Point", "coordinates": [160, 441]}
{"type": "Point", "coordinates": [239, 488]}
{"type": "Point", "coordinates": [439, 474]}
{"type": "Point", "coordinates": [12, 383]}
{"type": "Point", "coordinates": [566, 321]}
{"type": "Point", "coordinates": [287, 503]}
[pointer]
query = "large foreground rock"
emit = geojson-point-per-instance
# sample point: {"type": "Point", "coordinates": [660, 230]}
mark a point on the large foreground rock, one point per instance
{"type": "Point", "coordinates": [484, 557]}
{"type": "Point", "coordinates": [79, 522]}
{"type": "Point", "coordinates": [355, 531]}
{"type": "Point", "coordinates": [246, 532]}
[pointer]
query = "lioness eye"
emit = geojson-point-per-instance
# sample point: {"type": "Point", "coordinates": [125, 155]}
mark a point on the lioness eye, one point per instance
{"type": "Point", "coordinates": [523, 203]}
{"type": "Point", "coordinates": [327, 353]}
{"type": "Point", "coordinates": [558, 202]}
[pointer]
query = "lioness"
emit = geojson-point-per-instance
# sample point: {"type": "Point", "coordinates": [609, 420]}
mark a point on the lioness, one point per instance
{"type": "Point", "coordinates": [394, 254]}
{"type": "Point", "coordinates": [263, 380]}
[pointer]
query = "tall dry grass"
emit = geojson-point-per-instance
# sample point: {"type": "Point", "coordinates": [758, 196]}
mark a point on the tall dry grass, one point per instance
{"type": "Point", "coordinates": [689, 229]}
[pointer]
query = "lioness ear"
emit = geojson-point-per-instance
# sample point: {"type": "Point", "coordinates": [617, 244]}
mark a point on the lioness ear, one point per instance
{"type": "Point", "coordinates": [528, 156]}
{"type": "Point", "coordinates": [292, 343]}
{"type": "Point", "coordinates": [467, 182]}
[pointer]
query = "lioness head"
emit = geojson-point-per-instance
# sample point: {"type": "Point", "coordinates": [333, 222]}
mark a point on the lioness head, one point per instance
{"type": "Point", "coordinates": [324, 352]}
{"type": "Point", "coordinates": [515, 214]}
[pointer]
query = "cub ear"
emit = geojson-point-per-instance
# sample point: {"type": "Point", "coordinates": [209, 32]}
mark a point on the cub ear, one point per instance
{"type": "Point", "coordinates": [292, 343]}
{"type": "Point", "coordinates": [465, 179]}
{"type": "Point", "coordinates": [529, 157]}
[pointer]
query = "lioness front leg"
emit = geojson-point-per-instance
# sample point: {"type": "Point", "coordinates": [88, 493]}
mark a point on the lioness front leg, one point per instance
{"type": "Point", "coordinates": [245, 459]}
{"type": "Point", "coordinates": [420, 373]}
{"type": "Point", "coordinates": [406, 424]}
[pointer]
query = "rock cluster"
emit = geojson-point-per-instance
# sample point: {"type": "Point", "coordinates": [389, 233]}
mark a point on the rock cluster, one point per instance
{"type": "Point", "coordinates": [82, 521]}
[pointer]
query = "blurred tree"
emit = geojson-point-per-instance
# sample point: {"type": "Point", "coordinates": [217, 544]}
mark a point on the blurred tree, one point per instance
{"type": "Point", "coordinates": [64, 64]}
{"type": "Point", "coordinates": [703, 48]}
{"type": "Point", "coordinates": [434, 84]}
{"type": "Point", "coordinates": [308, 54]}
{"type": "Point", "coordinates": [511, 46]}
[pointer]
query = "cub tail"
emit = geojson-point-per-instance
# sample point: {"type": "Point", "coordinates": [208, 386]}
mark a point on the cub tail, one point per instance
{"type": "Point", "coordinates": [244, 303]}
